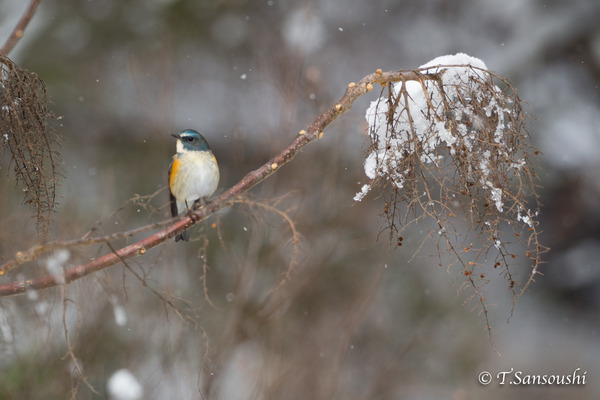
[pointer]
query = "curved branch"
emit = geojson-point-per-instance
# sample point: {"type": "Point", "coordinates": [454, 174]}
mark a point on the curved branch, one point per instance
{"type": "Point", "coordinates": [17, 32]}
{"type": "Point", "coordinates": [314, 132]}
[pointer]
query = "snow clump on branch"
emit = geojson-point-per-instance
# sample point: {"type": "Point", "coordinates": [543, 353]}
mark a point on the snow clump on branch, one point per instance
{"type": "Point", "coordinates": [417, 118]}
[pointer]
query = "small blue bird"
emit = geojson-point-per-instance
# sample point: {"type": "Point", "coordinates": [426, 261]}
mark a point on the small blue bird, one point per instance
{"type": "Point", "coordinates": [193, 174]}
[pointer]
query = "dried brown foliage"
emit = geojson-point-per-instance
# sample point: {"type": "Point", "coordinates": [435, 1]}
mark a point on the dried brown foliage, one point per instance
{"type": "Point", "coordinates": [31, 143]}
{"type": "Point", "coordinates": [454, 154]}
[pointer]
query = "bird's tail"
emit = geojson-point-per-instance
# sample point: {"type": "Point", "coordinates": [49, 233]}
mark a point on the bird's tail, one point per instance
{"type": "Point", "coordinates": [185, 235]}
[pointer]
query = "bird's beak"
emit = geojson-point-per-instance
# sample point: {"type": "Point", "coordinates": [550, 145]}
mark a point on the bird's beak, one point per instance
{"type": "Point", "coordinates": [176, 136]}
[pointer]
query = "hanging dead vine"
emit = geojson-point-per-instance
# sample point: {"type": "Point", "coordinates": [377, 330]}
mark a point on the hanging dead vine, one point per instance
{"type": "Point", "coordinates": [31, 143]}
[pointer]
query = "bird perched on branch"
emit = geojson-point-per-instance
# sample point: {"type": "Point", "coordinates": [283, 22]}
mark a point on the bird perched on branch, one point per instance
{"type": "Point", "coordinates": [193, 174]}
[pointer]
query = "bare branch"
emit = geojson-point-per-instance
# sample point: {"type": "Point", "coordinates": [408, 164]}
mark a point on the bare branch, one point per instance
{"type": "Point", "coordinates": [19, 29]}
{"type": "Point", "coordinates": [313, 133]}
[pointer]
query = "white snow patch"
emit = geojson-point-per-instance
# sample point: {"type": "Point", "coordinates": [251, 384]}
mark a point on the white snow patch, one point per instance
{"type": "Point", "coordinates": [120, 315]}
{"type": "Point", "coordinates": [55, 264]}
{"type": "Point", "coordinates": [122, 385]}
{"type": "Point", "coordinates": [497, 198]}
{"type": "Point", "coordinates": [392, 143]}
{"type": "Point", "coordinates": [524, 218]}
{"type": "Point", "coordinates": [429, 126]}
{"type": "Point", "coordinates": [240, 375]}
{"type": "Point", "coordinates": [363, 192]}
{"type": "Point", "coordinates": [303, 30]}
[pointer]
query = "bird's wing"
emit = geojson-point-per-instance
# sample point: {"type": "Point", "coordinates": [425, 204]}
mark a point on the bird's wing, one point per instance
{"type": "Point", "coordinates": [174, 211]}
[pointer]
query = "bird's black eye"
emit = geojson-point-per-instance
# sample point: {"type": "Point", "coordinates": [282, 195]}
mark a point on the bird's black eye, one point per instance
{"type": "Point", "coordinates": [190, 138]}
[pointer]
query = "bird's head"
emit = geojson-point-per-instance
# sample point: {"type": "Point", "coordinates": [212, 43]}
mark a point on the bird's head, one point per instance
{"type": "Point", "coordinates": [190, 140]}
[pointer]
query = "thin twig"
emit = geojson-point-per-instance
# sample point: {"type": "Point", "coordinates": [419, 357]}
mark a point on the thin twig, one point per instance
{"type": "Point", "coordinates": [17, 32]}
{"type": "Point", "coordinates": [313, 133]}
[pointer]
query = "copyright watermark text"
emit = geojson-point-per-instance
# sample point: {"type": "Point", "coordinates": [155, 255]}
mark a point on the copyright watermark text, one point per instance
{"type": "Point", "coordinates": [517, 377]}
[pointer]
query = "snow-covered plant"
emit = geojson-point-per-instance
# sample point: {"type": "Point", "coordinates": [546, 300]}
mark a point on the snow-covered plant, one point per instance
{"type": "Point", "coordinates": [454, 144]}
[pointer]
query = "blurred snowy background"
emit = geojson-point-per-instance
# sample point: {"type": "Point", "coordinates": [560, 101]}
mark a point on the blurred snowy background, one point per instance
{"type": "Point", "coordinates": [356, 321]}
